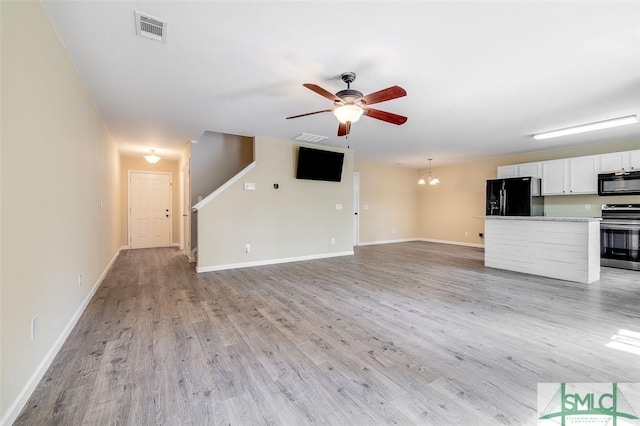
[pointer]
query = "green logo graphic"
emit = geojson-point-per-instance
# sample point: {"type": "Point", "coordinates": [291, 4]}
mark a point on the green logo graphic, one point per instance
{"type": "Point", "coordinates": [565, 405]}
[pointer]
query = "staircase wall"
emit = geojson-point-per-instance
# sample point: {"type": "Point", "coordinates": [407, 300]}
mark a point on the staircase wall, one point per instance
{"type": "Point", "coordinates": [215, 159]}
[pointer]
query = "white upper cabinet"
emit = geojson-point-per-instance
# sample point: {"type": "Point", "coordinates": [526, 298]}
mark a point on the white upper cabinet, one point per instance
{"type": "Point", "coordinates": [520, 170]}
{"type": "Point", "coordinates": [554, 176]}
{"type": "Point", "coordinates": [583, 175]}
{"type": "Point", "coordinates": [618, 161]}
{"type": "Point", "coordinates": [613, 162]}
{"type": "Point", "coordinates": [634, 160]}
{"type": "Point", "coordinates": [507, 171]}
{"type": "Point", "coordinates": [577, 175]}
{"type": "Point", "coordinates": [530, 169]}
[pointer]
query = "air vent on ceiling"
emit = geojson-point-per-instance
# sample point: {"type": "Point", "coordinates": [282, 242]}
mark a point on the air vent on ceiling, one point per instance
{"type": "Point", "coordinates": [150, 27]}
{"type": "Point", "coordinates": [308, 137]}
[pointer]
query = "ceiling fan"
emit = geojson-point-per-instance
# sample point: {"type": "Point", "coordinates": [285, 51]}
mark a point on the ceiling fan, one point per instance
{"type": "Point", "coordinates": [350, 104]}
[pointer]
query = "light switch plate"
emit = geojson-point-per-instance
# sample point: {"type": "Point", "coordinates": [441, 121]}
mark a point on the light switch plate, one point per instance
{"type": "Point", "coordinates": [249, 186]}
{"type": "Point", "coordinates": [338, 206]}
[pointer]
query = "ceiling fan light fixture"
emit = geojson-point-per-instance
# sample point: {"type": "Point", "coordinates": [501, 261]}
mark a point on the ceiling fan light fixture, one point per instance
{"type": "Point", "coordinates": [152, 157]}
{"type": "Point", "coordinates": [348, 113]}
{"type": "Point", "coordinates": [589, 127]}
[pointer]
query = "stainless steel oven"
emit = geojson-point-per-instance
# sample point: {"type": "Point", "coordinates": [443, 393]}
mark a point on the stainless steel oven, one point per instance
{"type": "Point", "coordinates": [620, 236]}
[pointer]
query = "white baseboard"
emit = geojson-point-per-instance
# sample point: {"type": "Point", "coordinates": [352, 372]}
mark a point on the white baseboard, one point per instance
{"type": "Point", "coordinates": [124, 248]}
{"type": "Point", "coordinates": [271, 261]}
{"type": "Point", "coordinates": [400, 240]}
{"type": "Point", "coordinates": [455, 243]}
{"type": "Point", "coordinates": [176, 245]}
{"type": "Point", "coordinates": [19, 403]}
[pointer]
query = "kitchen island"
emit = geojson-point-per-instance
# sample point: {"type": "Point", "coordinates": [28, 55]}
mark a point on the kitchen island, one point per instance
{"type": "Point", "coordinates": [567, 248]}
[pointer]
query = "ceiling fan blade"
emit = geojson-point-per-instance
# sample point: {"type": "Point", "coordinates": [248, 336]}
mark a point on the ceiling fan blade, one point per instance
{"type": "Point", "coordinates": [344, 128]}
{"type": "Point", "coordinates": [322, 92]}
{"type": "Point", "coordinates": [310, 113]}
{"type": "Point", "coordinates": [389, 117]}
{"type": "Point", "coordinates": [387, 94]}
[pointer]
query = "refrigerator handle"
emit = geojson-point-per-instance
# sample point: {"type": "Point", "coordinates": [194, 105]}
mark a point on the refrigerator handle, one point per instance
{"type": "Point", "coordinates": [504, 202]}
{"type": "Point", "coordinates": [501, 202]}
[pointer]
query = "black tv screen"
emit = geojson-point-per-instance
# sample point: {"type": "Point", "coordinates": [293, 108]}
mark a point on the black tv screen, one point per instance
{"type": "Point", "coordinates": [318, 164]}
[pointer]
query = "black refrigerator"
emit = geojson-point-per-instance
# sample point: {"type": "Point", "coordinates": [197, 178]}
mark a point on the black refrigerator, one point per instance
{"type": "Point", "coordinates": [514, 197]}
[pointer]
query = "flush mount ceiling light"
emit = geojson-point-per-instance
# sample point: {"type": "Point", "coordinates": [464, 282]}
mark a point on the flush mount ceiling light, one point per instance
{"type": "Point", "coordinates": [152, 157]}
{"type": "Point", "coordinates": [605, 124]}
{"type": "Point", "coordinates": [429, 177]}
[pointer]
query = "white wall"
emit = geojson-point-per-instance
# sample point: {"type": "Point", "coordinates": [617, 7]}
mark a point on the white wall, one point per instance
{"type": "Point", "coordinates": [297, 220]}
{"type": "Point", "coordinates": [58, 165]}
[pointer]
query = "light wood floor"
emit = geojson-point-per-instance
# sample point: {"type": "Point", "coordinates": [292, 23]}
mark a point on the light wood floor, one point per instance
{"type": "Point", "coordinates": [410, 333]}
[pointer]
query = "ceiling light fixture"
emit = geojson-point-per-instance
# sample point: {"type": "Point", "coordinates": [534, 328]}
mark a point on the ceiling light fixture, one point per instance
{"type": "Point", "coordinates": [152, 158]}
{"type": "Point", "coordinates": [605, 124]}
{"type": "Point", "coordinates": [349, 112]}
{"type": "Point", "coordinates": [429, 177]}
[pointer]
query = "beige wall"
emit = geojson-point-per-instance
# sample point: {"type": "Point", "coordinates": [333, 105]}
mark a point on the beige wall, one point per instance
{"type": "Point", "coordinates": [447, 210]}
{"type": "Point", "coordinates": [58, 164]}
{"type": "Point", "coordinates": [391, 194]}
{"type": "Point", "coordinates": [216, 158]}
{"type": "Point", "coordinates": [298, 219]}
{"type": "Point", "coordinates": [138, 163]}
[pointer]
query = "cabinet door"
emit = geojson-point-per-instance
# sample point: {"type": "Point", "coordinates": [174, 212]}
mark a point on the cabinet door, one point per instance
{"type": "Point", "coordinates": [553, 177]}
{"type": "Point", "coordinates": [507, 171]}
{"type": "Point", "coordinates": [530, 169]}
{"type": "Point", "coordinates": [613, 162]}
{"type": "Point", "coordinates": [634, 160]}
{"type": "Point", "coordinates": [583, 175]}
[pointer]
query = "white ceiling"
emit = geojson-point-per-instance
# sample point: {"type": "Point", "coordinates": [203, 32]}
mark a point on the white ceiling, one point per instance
{"type": "Point", "coordinates": [481, 77]}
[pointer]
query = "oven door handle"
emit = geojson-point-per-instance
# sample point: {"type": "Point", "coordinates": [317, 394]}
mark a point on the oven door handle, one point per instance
{"type": "Point", "coordinates": [620, 225]}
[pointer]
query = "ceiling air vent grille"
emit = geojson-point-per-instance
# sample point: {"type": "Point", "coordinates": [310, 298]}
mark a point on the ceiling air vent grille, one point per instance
{"type": "Point", "coordinates": [150, 27]}
{"type": "Point", "coordinates": [308, 137]}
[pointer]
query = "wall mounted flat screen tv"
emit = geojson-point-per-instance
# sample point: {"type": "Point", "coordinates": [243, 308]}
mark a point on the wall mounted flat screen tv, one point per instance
{"type": "Point", "coordinates": [318, 164]}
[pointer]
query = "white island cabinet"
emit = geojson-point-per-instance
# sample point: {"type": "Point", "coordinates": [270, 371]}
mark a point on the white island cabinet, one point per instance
{"type": "Point", "coordinates": [557, 247]}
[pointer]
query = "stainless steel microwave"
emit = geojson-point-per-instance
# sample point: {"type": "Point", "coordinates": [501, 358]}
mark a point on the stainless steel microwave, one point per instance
{"type": "Point", "coordinates": [619, 183]}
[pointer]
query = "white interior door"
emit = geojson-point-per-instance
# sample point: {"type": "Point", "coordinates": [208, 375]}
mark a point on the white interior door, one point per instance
{"type": "Point", "coordinates": [149, 209]}
{"type": "Point", "coordinates": [356, 208]}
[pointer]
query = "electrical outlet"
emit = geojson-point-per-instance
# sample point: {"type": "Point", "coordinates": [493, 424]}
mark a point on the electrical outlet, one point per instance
{"type": "Point", "coordinates": [247, 248]}
{"type": "Point", "coordinates": [79, 280]}
{"type": "Point", "coordinates": [393, 231]}
{"type": "Point", "coordinates": [34, 327]}
{"type": "Point", "coordinates": [466, 233]}
{"type": "Point", "coordinates": [587, 206]}
{"type": "Point", "coordinates": [333, 240]}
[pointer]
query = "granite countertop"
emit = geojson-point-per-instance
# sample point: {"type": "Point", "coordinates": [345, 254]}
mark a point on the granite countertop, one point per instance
{"type": "Point", "coordinates": [544, 218]}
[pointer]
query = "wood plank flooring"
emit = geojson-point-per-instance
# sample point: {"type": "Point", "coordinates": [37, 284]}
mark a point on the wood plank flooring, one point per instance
{"type": "Point", "coordinates": [409, 333]}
